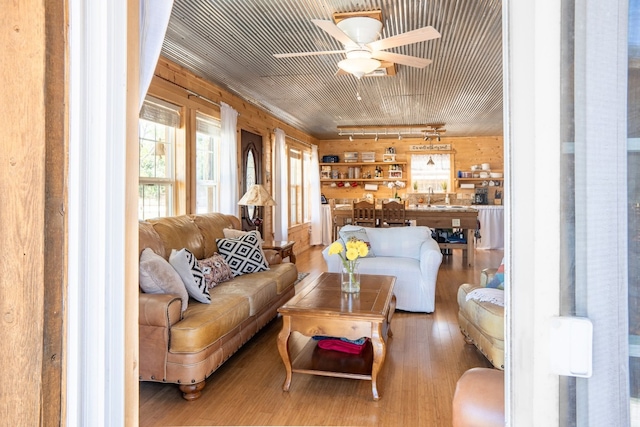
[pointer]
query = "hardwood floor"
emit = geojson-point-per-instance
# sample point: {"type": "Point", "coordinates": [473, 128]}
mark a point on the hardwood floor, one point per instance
{"type": "Point", "coordinates": [425, 358]}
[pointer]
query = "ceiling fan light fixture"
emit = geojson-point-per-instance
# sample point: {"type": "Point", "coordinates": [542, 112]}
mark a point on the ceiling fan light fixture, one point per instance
{"type": "Point", "coordinates": [361, 29]}
{"type": "Point", "coordinates": [359, 66]}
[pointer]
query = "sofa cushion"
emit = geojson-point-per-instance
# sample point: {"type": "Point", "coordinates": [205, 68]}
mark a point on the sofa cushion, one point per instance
{"type": "Point", "coordinates": [148, 238]}
{"type": "Point", "coordinates": [179, 232]}
{"type": "Point", "coordinates": [357, 234]}
{"type": "Point", "coordinates": [203, 324]}
{"type": "Point", "coordinates": [284, 275]}
{"type": "Point", "coordinates": [211, 226]}
{"type": "Point", "coordinates": [158, 277]}
{"type": "Point", "coordinates": [258, 288]}
{"type": "Point", "coordinates": [244, 254]}
{"type": "Point", "coordinates": [187, 267]}
{"type": "Point", "coordinates": [232, 233]}
{"type": "Point", "coordinates": [215, 270]}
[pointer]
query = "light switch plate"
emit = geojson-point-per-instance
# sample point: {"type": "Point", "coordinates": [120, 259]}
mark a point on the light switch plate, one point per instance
{"type": "Point", "coordinates": [455, 222]}
{"type": "Point", "coordinates": [571, 346]}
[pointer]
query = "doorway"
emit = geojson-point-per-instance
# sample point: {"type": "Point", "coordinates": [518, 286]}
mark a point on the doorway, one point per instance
{"type": "Point", "coordinates": [250, 174]}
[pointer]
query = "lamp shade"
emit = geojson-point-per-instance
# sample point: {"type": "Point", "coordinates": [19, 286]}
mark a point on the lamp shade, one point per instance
{"type": "Point", "coordinates": [257, 195]}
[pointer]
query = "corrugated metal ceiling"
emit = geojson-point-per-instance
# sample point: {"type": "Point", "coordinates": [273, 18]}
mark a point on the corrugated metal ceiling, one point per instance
{"type": "Point", "coordinates": [231, 43]}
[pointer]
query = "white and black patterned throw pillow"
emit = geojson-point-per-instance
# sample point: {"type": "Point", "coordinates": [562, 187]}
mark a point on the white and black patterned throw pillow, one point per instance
{"type": "Point", "coordinates": [244, 254]}
{"type": "Point", "coordinates": [186, 264]}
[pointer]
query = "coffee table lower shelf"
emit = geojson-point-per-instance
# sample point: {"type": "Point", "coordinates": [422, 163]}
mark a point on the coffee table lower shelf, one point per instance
{"type": "Point", "coordinates": [330, 363]}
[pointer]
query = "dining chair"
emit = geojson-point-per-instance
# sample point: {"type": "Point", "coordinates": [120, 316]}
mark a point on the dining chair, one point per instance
{"type": "Point", "coordinates": [363, 213]}
{"type": "Point", "coordinates": [336, 223]}
{"type": "Point", "coordinates": [393, 214]}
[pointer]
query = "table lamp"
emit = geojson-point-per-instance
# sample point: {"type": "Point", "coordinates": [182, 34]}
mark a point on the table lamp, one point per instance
{"type": "Point", "coordinates": [256, 195]}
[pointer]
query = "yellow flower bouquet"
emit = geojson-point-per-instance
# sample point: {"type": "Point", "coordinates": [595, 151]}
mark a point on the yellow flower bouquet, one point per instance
{"type": "Point", "coordinates": [354, 250]}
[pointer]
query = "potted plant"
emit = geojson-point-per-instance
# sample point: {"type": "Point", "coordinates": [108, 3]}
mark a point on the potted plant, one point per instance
{"type": "Point", "coordinates": [415, 186]}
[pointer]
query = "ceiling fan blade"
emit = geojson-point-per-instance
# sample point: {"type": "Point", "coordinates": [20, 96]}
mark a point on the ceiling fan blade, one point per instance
{"type": "Point", "coordinates": [335, 32]}
{"type": "Point", "coordinates": [411, 61]}
{"type": "Point", "coordinates": [293, 55]}
{"type": "Point", "coordinates": [419, 35]}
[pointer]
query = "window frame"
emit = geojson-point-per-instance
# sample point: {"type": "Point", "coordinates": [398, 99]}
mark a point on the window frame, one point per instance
{"type": "Point", "coordinates": [301, 206]}
{"type": "Point", "coordinates": [172, 119]}
{"type": "Point", "coordinates": [214, 184]}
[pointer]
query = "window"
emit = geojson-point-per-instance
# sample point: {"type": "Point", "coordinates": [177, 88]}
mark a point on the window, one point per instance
{"type": "Point", "coordinates": [295, 187]}
{"type": "Point", "coordinates": [157, 137]}
{"type": "Point", "coordinates": [299, 185]}
{"type": "Point", "coordinates": [207, 163]}
{"type": "Point", "coordinates": [435, 177]}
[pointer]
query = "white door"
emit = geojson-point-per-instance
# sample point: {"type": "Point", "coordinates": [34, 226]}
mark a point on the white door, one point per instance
{"type": "Point", "coordinates": [573, 208]}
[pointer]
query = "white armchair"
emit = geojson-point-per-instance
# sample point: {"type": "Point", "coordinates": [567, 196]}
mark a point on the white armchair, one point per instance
{"type": "Point", "coordinates": [409, 254]}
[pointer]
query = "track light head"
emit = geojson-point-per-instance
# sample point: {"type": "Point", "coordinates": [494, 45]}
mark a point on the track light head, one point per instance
{"type": "Point", "coordinates": [351, 138]}
{"type": "Point", "coordinates": [438, 137]}
{"type": "Point", "coordinates": [376, 138]}
{"type": "Point", "coordinates": [399, 136]}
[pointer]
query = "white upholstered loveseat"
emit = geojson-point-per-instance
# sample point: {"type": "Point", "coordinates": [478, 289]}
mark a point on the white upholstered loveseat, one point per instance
{"type": "Point", "coordinates": [409, 253]}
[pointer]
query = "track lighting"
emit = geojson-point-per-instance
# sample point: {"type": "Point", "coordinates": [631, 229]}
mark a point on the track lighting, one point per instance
{"type": "Point", "coordinates": [377, 132]}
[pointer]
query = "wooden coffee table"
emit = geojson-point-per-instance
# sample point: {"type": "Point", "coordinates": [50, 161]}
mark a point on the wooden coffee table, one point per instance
{"type": "Point", "coordinates": [323, 309]}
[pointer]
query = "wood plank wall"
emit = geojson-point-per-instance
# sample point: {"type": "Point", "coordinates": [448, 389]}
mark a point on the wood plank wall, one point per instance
{"type": "Point", "coordinates": [23, 211]}
{"type": "Point", "coordinates": [467, 151]}
{"type": "Point", "coordinates": [250, 118]}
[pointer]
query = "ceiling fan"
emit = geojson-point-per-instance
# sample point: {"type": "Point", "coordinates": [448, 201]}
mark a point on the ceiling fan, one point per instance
{"type": "Point", "coordinates": [359, 33]}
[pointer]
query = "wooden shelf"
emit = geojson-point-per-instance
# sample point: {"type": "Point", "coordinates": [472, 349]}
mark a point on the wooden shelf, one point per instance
{"type": "Point", "coordinates": [362, 163]}
{"type": "Point", "coordinates": [380, 180]}
{"type": "Point", "coordinates": [480, 179]}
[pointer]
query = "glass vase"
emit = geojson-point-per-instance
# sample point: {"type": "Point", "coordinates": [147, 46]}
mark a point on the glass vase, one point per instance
{"type": "Point", "coordinates": [350, 278]}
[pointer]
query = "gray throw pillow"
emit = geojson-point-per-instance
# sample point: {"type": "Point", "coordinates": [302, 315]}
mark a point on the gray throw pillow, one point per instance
{"type": "Point", "coordinates": [158, 277]}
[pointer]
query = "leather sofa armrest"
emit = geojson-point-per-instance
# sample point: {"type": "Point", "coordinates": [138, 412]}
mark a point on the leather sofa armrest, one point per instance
{"type": "Point", "coordinates": [486, 276]}
{"type": "Point", "coordinates": [272, 257]}
{"type": "Point", "coordinates": [163, 310]}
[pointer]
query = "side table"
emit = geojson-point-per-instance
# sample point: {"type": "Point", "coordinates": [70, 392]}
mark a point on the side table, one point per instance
{"type": "Point", "coordinates": [284, 248]}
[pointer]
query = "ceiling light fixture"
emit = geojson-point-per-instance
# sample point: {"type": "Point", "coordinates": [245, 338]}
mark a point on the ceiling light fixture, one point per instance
{"type": "Point", "coordinates": [377, 132]}
{"type": "Point", "coordinates": [361, 29]}
{"type": "Point", "coordinates": [359, 66]}
{"type": "Point", "coordinates": [430, 162]}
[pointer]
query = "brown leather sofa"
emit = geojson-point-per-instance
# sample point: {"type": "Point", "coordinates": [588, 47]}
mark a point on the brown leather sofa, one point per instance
{"type": "Point", "coordinates": [482, 322]}
{"type": "Point", "coordinates": [185, 348]}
